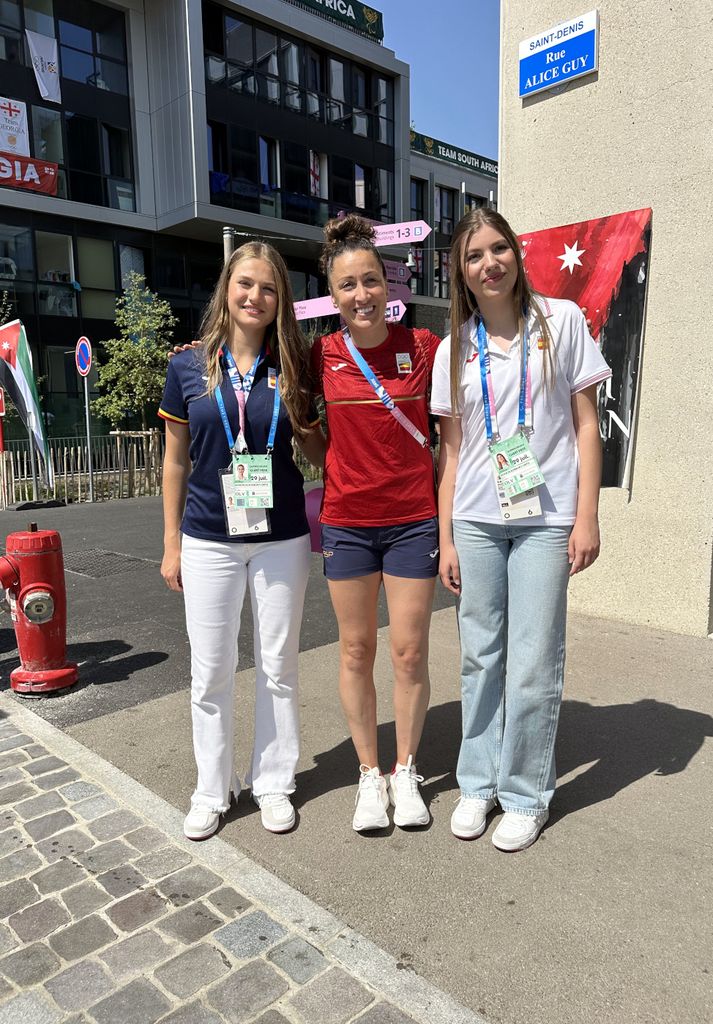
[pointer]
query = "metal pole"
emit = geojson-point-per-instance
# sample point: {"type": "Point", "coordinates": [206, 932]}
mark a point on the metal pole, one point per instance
{"type": "Point", "coordinates": [89, 440]}
{"type": "Point", "coordinates": [228, 243]}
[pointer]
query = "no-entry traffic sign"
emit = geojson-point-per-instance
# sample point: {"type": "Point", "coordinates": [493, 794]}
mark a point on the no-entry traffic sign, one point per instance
{"type": "Point", "coordinates": [83, 356]}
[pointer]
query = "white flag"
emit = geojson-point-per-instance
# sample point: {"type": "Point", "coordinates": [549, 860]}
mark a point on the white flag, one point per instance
{"type": "Point", "coordinates": [13, 127]}
{"type": "Point", "coordinates": [45, 61]}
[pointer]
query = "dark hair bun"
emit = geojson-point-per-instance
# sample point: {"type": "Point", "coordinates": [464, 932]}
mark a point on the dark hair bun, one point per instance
{"type": "Point", "coordinates": [345, 233]}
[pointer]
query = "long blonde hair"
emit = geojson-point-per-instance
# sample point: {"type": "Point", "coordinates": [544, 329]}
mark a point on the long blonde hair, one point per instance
{"type": "Point", "coordinates": [464, 304]}
{"type": "Point", "coordinates": [287, 343]}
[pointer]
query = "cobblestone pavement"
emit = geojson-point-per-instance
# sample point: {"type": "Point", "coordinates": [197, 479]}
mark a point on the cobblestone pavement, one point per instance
{"type": "Point", "coordinates": [108, 915]}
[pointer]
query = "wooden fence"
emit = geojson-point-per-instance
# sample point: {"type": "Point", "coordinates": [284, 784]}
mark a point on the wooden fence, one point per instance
{"type": "Point", "coordinates": [124, 465]}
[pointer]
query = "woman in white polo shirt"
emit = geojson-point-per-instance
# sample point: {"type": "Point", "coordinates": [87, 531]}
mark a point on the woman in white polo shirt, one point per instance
{"type": "Point", "coordinates": [515, 388]}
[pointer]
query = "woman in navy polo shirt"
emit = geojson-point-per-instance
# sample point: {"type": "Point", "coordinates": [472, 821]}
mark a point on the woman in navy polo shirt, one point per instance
{"type": "Point", "coordinates": [229, 431]}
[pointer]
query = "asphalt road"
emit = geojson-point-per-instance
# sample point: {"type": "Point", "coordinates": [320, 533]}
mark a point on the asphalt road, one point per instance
{"type": "Point", "coordinates": [607, 918]}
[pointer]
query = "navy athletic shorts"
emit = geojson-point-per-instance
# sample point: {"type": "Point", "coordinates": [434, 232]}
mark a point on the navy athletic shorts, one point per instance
{"type": "Point", "coordinates": [409, 550]}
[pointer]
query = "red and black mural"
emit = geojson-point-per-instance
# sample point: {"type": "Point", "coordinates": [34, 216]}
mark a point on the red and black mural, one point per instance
{"type": "Point", "coordinates": [602, 265]}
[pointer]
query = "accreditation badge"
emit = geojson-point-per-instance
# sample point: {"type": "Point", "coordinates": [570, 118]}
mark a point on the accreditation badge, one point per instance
{"type": "Point", "coordinates": [516, 466]}
{"type": "Point", "coordinates": [247, 495]}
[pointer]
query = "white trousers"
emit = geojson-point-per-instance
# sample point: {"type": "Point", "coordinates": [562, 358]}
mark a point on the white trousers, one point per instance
{"type": "Point", "coordinates": [214, 576]}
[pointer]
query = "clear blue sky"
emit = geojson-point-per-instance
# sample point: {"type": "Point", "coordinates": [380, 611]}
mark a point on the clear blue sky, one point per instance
{"type": "Point", "coordinates": [453, 48]}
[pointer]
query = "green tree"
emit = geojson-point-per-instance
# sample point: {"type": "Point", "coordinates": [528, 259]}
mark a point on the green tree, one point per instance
{"type": "Point", "coordinates": [132, 378]}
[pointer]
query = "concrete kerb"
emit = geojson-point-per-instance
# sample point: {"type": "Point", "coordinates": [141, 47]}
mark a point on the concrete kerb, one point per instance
{"type": "Point", "coordinates": [357, 955]}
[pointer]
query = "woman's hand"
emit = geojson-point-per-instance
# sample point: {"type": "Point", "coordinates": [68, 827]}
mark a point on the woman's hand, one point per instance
{"type": "Point", "coordinates": [183, 348]}
{"type": "Point", "coordinates": [171, 567]}
{"type": "Point", "coordinates": [449, 568]}
{"type": "Point", "coordinates": [583, 544]}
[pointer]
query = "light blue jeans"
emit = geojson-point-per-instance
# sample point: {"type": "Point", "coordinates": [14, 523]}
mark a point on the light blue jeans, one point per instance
{"type": "Point", "coordinates": [511, 615]}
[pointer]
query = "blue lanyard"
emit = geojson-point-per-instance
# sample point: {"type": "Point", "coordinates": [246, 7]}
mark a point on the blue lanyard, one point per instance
{"type": "Point", "coordinates": [486, 382]}
{"type": "Point", "coordinates": [247, 379]}
{"type": "Point", "coordinates": [245, 385]}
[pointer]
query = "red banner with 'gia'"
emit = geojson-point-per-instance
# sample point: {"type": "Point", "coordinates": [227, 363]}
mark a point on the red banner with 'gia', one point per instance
{"type": "Point", "coordinates": [26, 172]}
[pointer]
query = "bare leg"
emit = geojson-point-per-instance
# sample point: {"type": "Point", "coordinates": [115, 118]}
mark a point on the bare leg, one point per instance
{"type": "Point", "coordinates": [355, 607]}
{"type": "Point", "coordinates": [410, 603]}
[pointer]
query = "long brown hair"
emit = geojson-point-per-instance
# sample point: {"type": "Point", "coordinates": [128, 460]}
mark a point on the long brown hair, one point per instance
{"type": "Point", "coordinates": [346, 234]}
{"type": "Point", "coordinates": [286, 341]}
{"type": "Point", "coordinates": [464, 304]}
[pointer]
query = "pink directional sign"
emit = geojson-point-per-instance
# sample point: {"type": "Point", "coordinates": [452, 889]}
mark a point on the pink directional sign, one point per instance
{"type": "Point", "coordinates": [395, 312]}
{"type": "Point", "coordinates": [399, 292]}
{"type": "Point", "coordinates": [405, 233]}
{"type": "Point", "coordinates": [310, 309]}
{"type": "Point", "coordinates": [396, 271]}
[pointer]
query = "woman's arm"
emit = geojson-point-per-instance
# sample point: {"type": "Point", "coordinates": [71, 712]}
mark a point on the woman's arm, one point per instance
{"type": "Point", "coordinates": [584, 538]}
{"type": "Point", "coordinates": [451, 436]}
{"type": "Point", "coordinates": [313, 446]}
{"type": "Point", "coordinates": [176, 470]}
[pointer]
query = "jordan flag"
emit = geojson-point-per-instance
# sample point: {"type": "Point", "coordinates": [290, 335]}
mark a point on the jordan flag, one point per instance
{"type": "Point", "coordinates": [17, 378]}
{"type": "Point", "coordinates": [585, 262]}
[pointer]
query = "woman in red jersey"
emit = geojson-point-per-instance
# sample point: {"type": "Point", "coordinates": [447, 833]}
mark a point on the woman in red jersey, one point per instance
{"type": "Point", "coordinates": [379, 512]}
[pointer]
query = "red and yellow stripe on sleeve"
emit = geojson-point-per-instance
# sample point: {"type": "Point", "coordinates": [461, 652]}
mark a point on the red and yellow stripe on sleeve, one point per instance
{"type": "Point", "coordinates": [169, 416]}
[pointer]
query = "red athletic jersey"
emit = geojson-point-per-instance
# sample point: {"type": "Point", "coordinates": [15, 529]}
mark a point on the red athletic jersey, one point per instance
{"type": "Point", "coordinates": [375, 472]}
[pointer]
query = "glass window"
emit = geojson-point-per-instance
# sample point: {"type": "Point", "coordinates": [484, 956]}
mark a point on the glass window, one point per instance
{"type": "Point", "coordinates": [203, 277]}
{"type": "Point", "coordinates": [342, 181]}
{"type": "Point", "coordinates": [86, 188]}
{"type": "Point", "coordinates": [383, 201]}
{"type": "Point", "coordinates": [239, 41]}
{"type": "Point", "coordinates": [384, 95]}
{"type": "Point", "coordinates": [445, 203]}
{"type": "Point", "coordinates": [109, 27]}
{"type": "Point", "coordinates": [418, 199]}
{"type": "Point", "coordinates": [213, 38]}
{"type": "Point", "coordinates": [474, 202]}
{"type": "Point", "coordinates": [336, 80]}
{"type": "Point", "coordinates": [96, 263]}
{"type": "Point", "coordinates": [359, 187]}
{"type": "Point", "coordinates": [269, 182]}
{"type": "Point", "coordinates": [266, 52]}
{"type": "Point", "coordinates": [358, 87]}
{"type": "Point", "coordinates": [54, 257]}
{"type": "Point", "coordinates": [120, 195]}
{"type": "Point", "coordinates": [75, 35]}
{"type": "Point", "coordinates": [443, 284]}
{"type": "Point", "coordinates": [10, 14]}
{"type": "Point", "coordinates": [115, 151]}
{"type": "Point", "coordinates": [215, 70]}
{"type": "Point", "coordinates": [244, 167]}
{"type": "Point", "coordinates": [98, 305]}
{"type": "Point", "coordinates": [314, 71]}
{"type": "Point", "coordinates": [291, 54]}
{"type": "Point", "coordinates": [111, 76]}
{"type": "Point", "coordinates": [77, 66]}
{"type": "Point", "coordinates": [39, 16]}
{"type": "Point", "coordinates": [10, 46]}
{"type": "Point", "coordinates": [16, 262]}
{"type": "Point", "coordinates": [82, 143]}
{"type": "Point", "coordinates": [170, 271]}
{"type": "Point", "coordinates": [47, 134]}
{"type": "Point", "coordinates": [131, 259]}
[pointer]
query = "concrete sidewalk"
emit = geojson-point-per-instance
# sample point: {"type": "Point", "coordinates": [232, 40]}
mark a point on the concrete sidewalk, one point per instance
{"type": "Point", "coordinates": [606, 919]}
{"type": "Point", "coordinates": [110, 915]}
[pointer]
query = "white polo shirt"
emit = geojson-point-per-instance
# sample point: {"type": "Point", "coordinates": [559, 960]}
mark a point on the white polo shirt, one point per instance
{"type": "Point", "coordinates": [578, 364]}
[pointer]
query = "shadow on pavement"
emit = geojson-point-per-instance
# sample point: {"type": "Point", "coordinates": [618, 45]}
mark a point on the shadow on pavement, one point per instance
{"type": "Point", "coordinates": [621, 743]}
{"type": "Point", "coordinates": [99, 663]}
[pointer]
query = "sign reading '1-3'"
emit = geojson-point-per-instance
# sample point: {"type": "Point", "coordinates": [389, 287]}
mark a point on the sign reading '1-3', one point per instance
{"type": "Point", "coordinates": [559, 54]}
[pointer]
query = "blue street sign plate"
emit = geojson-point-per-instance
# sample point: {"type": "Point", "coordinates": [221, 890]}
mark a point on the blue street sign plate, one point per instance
{"type": "Point", "coordinates": [83, 356]}
{"type": "Point", "coordinates": [559, 54]}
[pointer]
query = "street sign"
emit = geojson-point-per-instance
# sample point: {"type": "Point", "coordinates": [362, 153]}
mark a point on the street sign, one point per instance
{"type": "Point", "coordinates": [395, 312]}
{"type": "Point", "coordinates": [309, 309]}
{"type": "Point", "coordinates": [83, 356]}
{"type": "Point", "coordinates": [559, 54]}
{"type": "Point", "coordinates": [2, 401]}
{"type": "Point", "coordinates": [405, 233]}
{"type": "Point", "coordinates": [399, 292]}
{"type": "Point", "coordinates": [396, 271]}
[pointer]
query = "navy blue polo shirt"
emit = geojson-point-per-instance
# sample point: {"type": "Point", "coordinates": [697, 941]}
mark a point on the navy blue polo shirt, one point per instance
{"type": "Point", "coordinates": [185, 401]}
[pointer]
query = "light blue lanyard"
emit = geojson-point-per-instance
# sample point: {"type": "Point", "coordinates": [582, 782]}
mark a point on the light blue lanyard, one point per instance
{"type": "Point", "coordinates": [486, 382]}
{"type": "Point", "coordinates": [381, 393]}
{"type": "Point", "coordinates": [241, 391]}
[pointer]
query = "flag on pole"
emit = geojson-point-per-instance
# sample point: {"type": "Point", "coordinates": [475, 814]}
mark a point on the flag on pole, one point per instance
{"type": "Point", "coordinates": [18, 379]}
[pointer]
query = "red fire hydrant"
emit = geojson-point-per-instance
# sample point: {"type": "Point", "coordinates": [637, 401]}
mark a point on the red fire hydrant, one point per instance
{"type": "Point", "coordinates": [32, 572]}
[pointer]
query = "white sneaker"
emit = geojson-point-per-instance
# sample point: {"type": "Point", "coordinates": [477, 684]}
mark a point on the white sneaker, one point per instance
{"type": "Point", "coordinates": [409, 808]}
{"type": "Point", "coordinates": [276, 811]}
{"type": "Point", "coordinates": [371, 801]}
{"type": "Point", "coordinates": [470, 817]}
{"type": "Point", "coordinates": [518, 831]}
{"type": "Point", "coordinates": [200, 822]}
